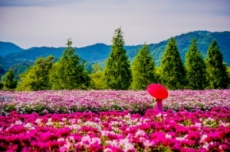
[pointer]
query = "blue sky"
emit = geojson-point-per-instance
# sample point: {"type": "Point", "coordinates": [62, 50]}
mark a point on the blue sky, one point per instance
{"type": "Point", "coordinates": [29, 23]}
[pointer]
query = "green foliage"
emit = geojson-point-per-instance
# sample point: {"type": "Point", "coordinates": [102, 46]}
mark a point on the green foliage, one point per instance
{"type": "Point", "coordinates": [117, 71]}
{"type": "Point", "coordinates": [97, 75]}
{"type": "Point", "coordinates": [157, 73]}
{"type": "Point", "coordinates": [20, 68]}
{"type": "Point", "coordinates": [68, 72]}
{"type": "Point", "coordinates": [1, 85]}
{"type": "Point", "coordinates": [9, 82]}
{"type": "Point", "coordinates": [216, 69]}
{"type": "Point", "coordinates": [142, 69]}
{"type": "Point", "coordinates": [172, 69]}
{"type": "Point", "coordinates": [8, 107]}
{"type": "Point", "coordinates": [228, 70]}
{"type": "Point", "coordinates": [195, 68]}
{"type": "Point", "coordinates": [37, 76]}
{"type": "Point", "coordinates": [2, 71]}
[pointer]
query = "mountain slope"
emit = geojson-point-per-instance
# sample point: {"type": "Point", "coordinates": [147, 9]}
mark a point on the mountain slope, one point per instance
{"type": "Point", "coordinates": [7, 48]}
{"type": "Point", "coordinates": [203, 38]}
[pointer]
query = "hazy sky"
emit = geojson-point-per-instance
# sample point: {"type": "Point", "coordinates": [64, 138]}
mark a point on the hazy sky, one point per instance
{"type": "Point", "coordinates": [29, 23]}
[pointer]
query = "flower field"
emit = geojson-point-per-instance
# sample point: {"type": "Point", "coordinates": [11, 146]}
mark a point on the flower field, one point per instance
{"type": "Point", "coordinates": [114, 121]}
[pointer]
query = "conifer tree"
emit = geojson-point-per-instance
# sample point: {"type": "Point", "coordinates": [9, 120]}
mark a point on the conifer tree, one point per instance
{"type": "Point", "coordinates": [9, 82]}
{"type": "Point", "coordinates": [2, 71]}
{"type": "Point", "coordinates": [195, 68]}
{"type": "Point", "coordinates": [37, 76]}
{"type": "Point", "coordinates": [69, 72]}
{"type": "Point", "coordinates": [96, 77]}
{"type": "Point", "coordinates": [117, 71]}
{"type": "Point", "coordinates": [216, 69]}
{"type": "Point", "coordinates": [142, 69]}
{"type": "Point", "coordinates": [172, 69]}
{"type": "Point", "coordinates": [1, 85]}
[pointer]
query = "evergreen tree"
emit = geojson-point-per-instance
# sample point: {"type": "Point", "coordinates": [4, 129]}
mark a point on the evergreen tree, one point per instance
{"type": "Point", "coordinates": [117, 70]}
{"type": "Point", "coordinates": [97, 81]}
{"type": "Point", "coordinates": [9, 82]}
{"type": "Point", "coordinates": [2, 71]}
{"type": "Point", "coordinates": [228, 70]}
{"type": "Point", "coordinates": [69, 72]}
{"type": "Point", "coordinates": [172, 69]}
{"type": "Point", "coordinates": [216, 69]}
{"type": "Point", "coordinates": [195, 68]}
{"type": "Point", "coordinates": [37, 76]}
{"type": "Point", "coordinates": [1, 85]}
{"type": "Point", "coordinates": [142, 69]}
{"type": "Point", "coordinates": [20, 68]}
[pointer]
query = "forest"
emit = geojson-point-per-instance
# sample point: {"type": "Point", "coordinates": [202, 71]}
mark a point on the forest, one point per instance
{"type": "Point", "coordinates": [69, 72]}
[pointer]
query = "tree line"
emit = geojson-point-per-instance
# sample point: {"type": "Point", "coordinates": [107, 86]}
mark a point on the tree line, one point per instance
{"type": "Point", "coordinates": [119, 73]}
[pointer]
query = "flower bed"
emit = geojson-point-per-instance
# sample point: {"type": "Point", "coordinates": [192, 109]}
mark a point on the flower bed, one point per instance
{"type": "Point", "coordinates": [85, 121]}
{"type": "Point", "coordinates": [44, 102]}
{"type": "Point", "coordinates": [117, 131]}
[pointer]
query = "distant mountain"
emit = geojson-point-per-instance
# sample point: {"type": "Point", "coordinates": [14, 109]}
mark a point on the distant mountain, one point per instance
{"type": "Point", "coordinates": [99, 52]}
{"type": "Point", "coordinates": [7, 48]}
{"type": "Point", "coordinates": [203, 38]}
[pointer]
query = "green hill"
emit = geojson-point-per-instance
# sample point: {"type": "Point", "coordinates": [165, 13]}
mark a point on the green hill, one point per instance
{"type": "Point", "coordinates": [7, 48]}
{"type": "Point", "coordinates": [12, 54]}
{"type": "Point", "coordinates": [204, 39]}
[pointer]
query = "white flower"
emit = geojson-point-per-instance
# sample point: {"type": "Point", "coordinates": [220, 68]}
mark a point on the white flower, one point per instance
{"type": "Point", "coordinates": [79, 121]}
{"type": "Point", "coordinates": [61, 139]}
{"type": "Point", "coordinates": [72, 121]}
{"type": "Point", "coordinates": [206, 145]}
{"type": "Point", "coordinates": [168, 136]}
{"type": "Point", "coordinates": [71, 138]}
{"type": "Point", "coordinates": [28, 125]}
{"type": "Point", "coordinates": [148, 143]}
{"type": "Point", "coordinates": [92, 124]}
{"type": "Point", "coordinates": [75, 127]}
{"type": "Point", "coordinates": [203, 137]}
{"type": "Point", "coordinates": [49, 123]}
{"type": "Point", "coordinates": [18, 122]}
{"type": "Point", "coordinates": [85, 138]}
{"type": "Point", "coordinates": [139, 133]}
{"type": "Point", "coordinates": [210, 119]}
{"type": "Point", "coordinates": [112, 143]}
{"type": "Point", "coordinates": [64, 119]}
{"type": "Point", "coordinates": [95, 140]}
{"type": "Point", "coordinates": [38, 121]}
{"type": "Point", "coordinates": [68, 145]}
{"type": "Point", "coordinates": [127, 116]}
{"type": "Point", "coordinates": [146, 120]}
{"type": "Point", "coordinates": [198, 124]}
{"type": "Point", "coordinates": [159, 115]}
{"type": "Point", "coordinates": [126, 145]}
{"type": "Point", "coordinates": [107, 150]}
{"type": "Point", "coordinates": [115, 129]}
{"type": "Point", "coordinates": [114, 123]}
{"type": "Point", "coordinates": [106, 133]}
{"type": "Point", "coordinates": [180, 138]}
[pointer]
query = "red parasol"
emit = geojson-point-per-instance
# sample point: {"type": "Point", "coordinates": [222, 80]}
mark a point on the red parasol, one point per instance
{"type": "Point", "coordinates": [158, 91]}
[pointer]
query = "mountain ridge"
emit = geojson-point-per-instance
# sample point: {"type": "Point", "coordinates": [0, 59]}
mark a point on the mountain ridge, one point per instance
{"type": "Point", "coordinates": [99, 52]}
